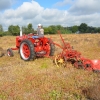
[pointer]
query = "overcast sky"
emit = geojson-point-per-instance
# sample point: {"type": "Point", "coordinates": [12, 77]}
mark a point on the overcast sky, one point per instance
{"type": "Point", "coordinates": [49, 12]}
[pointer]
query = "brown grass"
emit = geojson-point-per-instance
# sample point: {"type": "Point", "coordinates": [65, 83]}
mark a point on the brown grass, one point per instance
{"type": "Point", "coordinates": [42, 80]}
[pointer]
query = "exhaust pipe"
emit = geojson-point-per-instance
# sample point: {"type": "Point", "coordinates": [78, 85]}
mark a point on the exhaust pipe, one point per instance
{"type": "Point", "coordinates": [20, 31]}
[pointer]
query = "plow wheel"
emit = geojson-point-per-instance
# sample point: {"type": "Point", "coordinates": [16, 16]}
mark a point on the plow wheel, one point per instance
{"type": "Point", "coordinates": [1, 52]}
{"type": "Point", "coordinates": [27, 50]}
{"type": "Point", "coordinates": [59, 61]}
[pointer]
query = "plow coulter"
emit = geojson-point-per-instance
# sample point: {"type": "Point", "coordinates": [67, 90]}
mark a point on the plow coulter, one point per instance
{"type": "Point", "coordinates": [69, 55]}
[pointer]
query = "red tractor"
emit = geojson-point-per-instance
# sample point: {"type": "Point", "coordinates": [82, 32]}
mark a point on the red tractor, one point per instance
{"type": "Point", "coordinates": [30, 47]}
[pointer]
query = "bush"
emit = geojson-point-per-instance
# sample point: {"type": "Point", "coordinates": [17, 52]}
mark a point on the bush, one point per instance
{"type": "Point", "coordinates": [1, 34]}
{"type": "Point", "coordinates": [6, 33]}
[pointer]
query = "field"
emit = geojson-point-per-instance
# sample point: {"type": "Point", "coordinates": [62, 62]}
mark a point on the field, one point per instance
{"type": "Point", "coordinates": [42, 80]}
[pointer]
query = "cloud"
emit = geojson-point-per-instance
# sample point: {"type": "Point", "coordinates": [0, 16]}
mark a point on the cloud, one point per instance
{"type": "Point", "coordinates": [31, 12]}
{"type": "Point", "coordinates": [24, 14]}
{"type": "Point", "coordinates": [27, 11]}
{"type": "Point", "coordinates": [63, 3]}
{"type": "Point", "coordinates": [83, 7]}
{"type": "Point", "coordinates": [50, 14]}
{"type": "Point", "coordinates": [5, 4]}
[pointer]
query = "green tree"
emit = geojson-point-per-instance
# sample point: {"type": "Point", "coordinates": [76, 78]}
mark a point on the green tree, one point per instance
{"type": "Point", "coordinates": [14, 30]}
{"type": "Point", "coordinates": [52, 29]}
{"type": "Point", "coordinates": [88, 29]}
{"type": "Point", "coordinates": [46, 30]}
{"type": "Point", "coordinates": [83, 28]}
{"type": "Point", "coordinates": [98, 29]}
{"type": "Point", "coordinates": [30, 28]}
{"type": "Point", "coordinates": [24, 30]}
{"type": "Point", "coordinates": [6, 33]}
{"type": "Point", "coordinates": [1, 30]}
{"type": "Point", "coordinates": [66, 30]}
{"type": "Point", "coordinates": [94, 30]}
{"type": "Point", "coordinates": [59, 27]}
{"type": "Point", "coordinates": [74, 28]}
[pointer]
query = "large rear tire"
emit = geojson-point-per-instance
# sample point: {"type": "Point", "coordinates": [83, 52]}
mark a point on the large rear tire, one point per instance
{"type": "Point", "coordinates": [27, 50]}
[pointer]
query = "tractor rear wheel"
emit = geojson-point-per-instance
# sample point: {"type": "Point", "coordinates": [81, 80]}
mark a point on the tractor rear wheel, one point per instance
{"type": "Point", "coordinates": [10, 52]}
{"type": "Point", "coordinates": [26, 50]}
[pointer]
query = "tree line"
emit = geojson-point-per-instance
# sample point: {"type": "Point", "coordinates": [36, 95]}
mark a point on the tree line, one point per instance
{"type": "Point", "coordinates": [52, 29]}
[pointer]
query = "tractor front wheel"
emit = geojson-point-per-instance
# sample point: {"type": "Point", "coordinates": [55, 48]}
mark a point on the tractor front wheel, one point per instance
{"type": "Point", "coordinates": [27, 50]}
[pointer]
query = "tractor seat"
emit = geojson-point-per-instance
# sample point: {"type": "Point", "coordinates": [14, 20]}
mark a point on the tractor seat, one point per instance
{"type": "Point", "coordinates": [35, 37]}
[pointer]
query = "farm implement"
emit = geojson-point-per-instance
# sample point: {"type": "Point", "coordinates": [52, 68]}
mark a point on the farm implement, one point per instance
{"type": "Point", "coordinates": [30, 46]}
{"type": "Point", "coordinates": [68, 54]}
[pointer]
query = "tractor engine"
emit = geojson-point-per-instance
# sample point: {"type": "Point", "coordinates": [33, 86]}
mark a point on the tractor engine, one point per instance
{"type": "Point", "coordinates": [39, 48]}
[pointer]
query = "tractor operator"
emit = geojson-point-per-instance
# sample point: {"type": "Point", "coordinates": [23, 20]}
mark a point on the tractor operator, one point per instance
{"type": "Point", "coordinates": [40, 31]}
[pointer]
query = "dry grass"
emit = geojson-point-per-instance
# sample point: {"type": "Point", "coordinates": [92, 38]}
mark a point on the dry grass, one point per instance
{"type": "Point", "coordinates": [42, 80]}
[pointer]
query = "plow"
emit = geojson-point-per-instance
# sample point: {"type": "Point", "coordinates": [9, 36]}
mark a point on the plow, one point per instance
{"type": "Point", "coordinates": [30, 48]}
{"type": "Point", "coordinates": [69, 55]}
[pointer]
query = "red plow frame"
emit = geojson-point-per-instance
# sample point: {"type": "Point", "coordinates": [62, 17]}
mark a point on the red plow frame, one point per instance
{"type": "Point", "coordinates": [68, 54]}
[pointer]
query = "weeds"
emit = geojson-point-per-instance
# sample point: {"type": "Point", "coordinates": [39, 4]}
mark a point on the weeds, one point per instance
{"type": "Point", "coordinates": [55, 95]}
{"type": "Point", "coordinates": [44, 65]}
